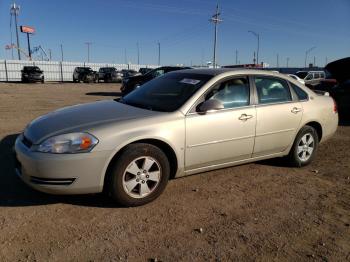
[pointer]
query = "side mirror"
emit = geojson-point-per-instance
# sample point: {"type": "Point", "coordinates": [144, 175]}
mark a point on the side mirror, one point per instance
{"type": "Point", "coordinates": [210, 105]}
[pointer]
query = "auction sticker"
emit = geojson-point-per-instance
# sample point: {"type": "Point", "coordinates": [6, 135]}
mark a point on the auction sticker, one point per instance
{"type": "Point", "coordinates": [190, 81]}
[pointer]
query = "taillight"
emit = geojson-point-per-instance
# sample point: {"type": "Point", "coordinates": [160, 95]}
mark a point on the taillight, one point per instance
{"type": "Point", "coordinates": [335, 107]}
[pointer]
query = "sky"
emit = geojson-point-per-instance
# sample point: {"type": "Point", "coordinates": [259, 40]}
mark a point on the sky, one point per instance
{"type": "Point", "coordinates": [182, 27]}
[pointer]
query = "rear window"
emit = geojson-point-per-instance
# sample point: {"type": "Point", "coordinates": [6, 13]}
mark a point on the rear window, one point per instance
{"type": "Point", "coordinates": [272, 90]}
{"type": "Point", "coordinates": [302, 95]}
{"type": "Point", "coordinates": [301, 75]}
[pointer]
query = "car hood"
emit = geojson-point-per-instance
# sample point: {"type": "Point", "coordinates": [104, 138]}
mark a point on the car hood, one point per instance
{"type": "Point", "coordinates": [78, 118]}
{"type": "Point", "coordinates": [339, 69]}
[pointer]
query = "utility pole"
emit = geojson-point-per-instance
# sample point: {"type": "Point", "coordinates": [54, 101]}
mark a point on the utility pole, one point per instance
{"type": "Point", "coordinates": [278, 61]}
{"type": "Point", "coordinates": [307, 53]}
{"type": "Point", "coordinates": [287, 62]}
{"type": "Point", "coordinates": [50, 54]}
{"type": "Point", "coordinates": [61, 52]}
{"type": "Point", "coordinates": [138, 53]}
{"type": "Point", "coordinates": [257, 50]}
{"type": "Point", "coordinates": [88, 51]}
{"type": "Point", "coordinates": [254, 60]}
{"type": "Point", "coordinates": [215, 19]}
{"type": "Point", "coordinates": [314, 61]}
{"type": "Point", "coordinates": [236, 57]}
{"type": "Point", "coordinates": [158, 53]}
{"type": "Point", "coordinates": [15, 12]}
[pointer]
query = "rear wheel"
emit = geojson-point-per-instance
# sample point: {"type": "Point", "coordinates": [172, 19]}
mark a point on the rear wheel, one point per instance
{"type": "Point", "coordinates": [304, 147]}
{"type": "Point", "coordinates": [139, 175]}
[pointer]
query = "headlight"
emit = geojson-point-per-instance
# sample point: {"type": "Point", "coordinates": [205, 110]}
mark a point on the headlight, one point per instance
{"type": "Point", "coordinates": [68, 143]}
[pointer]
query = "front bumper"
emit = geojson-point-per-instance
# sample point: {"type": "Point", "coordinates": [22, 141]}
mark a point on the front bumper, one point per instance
{"type": "Point", "coordinates": [61, 173]}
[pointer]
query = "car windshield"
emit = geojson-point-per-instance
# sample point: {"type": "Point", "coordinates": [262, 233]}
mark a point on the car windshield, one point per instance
{"type": "Point", "coordinates": [84, 69]}
{"type": "Point", "coordinates": [106, 70]}
{"type": "Point", "coordinates": [32, 69]}
{"type": "Point", "coordinates": [166, 93]}
{"type": "Point", "coordinates": [301, 75]}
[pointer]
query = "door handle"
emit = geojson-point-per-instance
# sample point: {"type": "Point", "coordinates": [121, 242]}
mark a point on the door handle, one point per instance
{"type": "Point", "coordinates": [245, 117]}
{"type": "Point", "coordinates": [296, 110]}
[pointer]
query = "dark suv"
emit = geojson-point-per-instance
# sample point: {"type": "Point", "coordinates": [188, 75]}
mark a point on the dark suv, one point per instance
{"type": "Point", "coordinates": [85, 74]}
{"type": "Point", "coordinates": [32, 74]}
{"type": "Point", "coordinates": [109, 74]}
{"type": "Point", "coordinates": [133, 82]}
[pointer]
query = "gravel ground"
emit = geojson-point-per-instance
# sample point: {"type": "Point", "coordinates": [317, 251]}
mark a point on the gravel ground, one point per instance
{"type": "Point", "coordinates": [262, 211]}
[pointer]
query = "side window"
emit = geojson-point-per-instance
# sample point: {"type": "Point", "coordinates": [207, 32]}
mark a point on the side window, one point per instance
{"type": "Point", "coordinates": [317, 75]}
{"type": "Point", "coordinates": [272, 90]}
{"type": "Point", "coordinates": [158, 73]}
{"type": "Point", "coordinates": [302, 95]}
{"type": "Point", "coordinates": [232, 93]}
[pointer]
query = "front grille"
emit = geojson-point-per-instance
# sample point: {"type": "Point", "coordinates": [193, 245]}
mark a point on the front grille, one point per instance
{"type": "Point", "coordinates": [26, 142]}
{"type": "Point", "coordinates": [52, 181]}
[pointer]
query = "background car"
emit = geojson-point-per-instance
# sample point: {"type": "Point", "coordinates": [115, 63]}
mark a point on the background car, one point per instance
{"type": "Point", "coordinates": [32, 74]}
{"type": "Point", "coordinates": [109, 74]}
{"type": "Point", "coordinates": [338, 85]}
{"type": "Point", "coordinates": [85, 74]}
{"type": "Point", "coordinates": [131, 83]}
{"type": "Point", "coordinates": [297, 78]}
{"type": "Point", "coordinates": [311, 78]}
{"type": "Point", "coordinates": [129, 73]}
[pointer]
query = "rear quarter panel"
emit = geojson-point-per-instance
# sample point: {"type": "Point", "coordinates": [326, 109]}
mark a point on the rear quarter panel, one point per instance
{"type": "Point", "coordinates": [320, 109]}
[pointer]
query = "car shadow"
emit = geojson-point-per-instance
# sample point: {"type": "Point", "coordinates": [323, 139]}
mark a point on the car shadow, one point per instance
{"type": "Point", "coordinates": [117, 94]}
{"type": "Point", "coordinates": [14, 193]}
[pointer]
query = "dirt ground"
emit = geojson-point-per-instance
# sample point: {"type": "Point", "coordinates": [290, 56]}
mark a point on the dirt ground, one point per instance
{"type": "Point", "coordinates": [255, 212]}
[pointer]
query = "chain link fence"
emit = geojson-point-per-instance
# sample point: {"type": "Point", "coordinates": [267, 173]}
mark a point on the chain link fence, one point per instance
{"type": "Point", "coordinates": [10, 70]}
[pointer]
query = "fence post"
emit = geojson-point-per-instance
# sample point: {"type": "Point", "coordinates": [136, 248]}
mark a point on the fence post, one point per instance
{"type": "Point", "coordinates": [6, 73]}
{"type": "Point", "coordinates": [61, 68]}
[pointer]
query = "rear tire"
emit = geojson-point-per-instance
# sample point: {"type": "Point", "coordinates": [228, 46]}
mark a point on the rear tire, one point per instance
{"type": "Point", "coordinates": [139, 175]}
{"type": "Point", "coordinates": [304, 147]}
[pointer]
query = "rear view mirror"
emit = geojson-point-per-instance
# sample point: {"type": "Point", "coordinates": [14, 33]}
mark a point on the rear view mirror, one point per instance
{"type": "Point", "coordinates": [210, 105]}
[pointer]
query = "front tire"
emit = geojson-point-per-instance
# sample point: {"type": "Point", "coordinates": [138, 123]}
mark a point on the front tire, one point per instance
{"type": "Point", "coordinates": [304, 147]}
{"type": "Point", "coordinates": [139, 175]}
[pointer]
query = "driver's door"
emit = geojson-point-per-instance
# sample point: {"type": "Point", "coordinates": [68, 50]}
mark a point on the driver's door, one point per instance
{"type": "Point", "coordinates": [224, 135]}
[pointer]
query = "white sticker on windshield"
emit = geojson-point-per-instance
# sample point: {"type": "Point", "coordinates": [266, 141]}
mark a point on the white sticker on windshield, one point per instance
{"type": "Point", "coordinates": [190, 81]}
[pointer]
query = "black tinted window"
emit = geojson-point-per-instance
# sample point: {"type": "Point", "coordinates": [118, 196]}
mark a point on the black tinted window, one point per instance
{"type": "Point", "coordinates": [272, 90]}
{"type": "Point", "coordinates": [166, 93]}
{"type": "Point", "coordinates": [232, 93]}
{"type": "Point", "coordinates": [302, 95]}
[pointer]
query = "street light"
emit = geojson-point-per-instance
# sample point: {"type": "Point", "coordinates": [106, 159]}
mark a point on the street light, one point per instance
{"type": "Point", "coordinates": [307, 53]}
{"type": "Point", "coordinates": [258, 38]}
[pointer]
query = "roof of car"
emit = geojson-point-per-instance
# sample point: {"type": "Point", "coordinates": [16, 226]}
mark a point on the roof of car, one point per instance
{"type": "Point", "coordinates": [218, 71]}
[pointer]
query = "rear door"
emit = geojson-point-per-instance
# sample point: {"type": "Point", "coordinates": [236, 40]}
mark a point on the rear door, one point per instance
{"type": "Point", "coordinates": [224, 135]}
{"type": "Point", "coordinates": [278, 115]}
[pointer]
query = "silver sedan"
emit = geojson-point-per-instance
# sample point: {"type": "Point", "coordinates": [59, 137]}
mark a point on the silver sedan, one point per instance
{"type": "Point", "coordinates": [182, 123]}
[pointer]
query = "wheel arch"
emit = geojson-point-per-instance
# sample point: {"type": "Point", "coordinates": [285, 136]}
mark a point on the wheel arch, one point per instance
{"type": "Point", "coordinates": [317, 126]}
{"type": "Point", "coordinates": [164, 146]}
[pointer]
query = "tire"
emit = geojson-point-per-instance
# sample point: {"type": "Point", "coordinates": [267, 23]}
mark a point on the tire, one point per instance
{"type": "Point", "coordinates": [139, 175]}
{"type": "Point", "coordinates": [42, 80]}
{"type": "Point", "coordinates": [300, 154]}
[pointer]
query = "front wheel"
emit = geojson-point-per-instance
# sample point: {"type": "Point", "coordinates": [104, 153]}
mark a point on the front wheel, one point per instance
{"type": "Point", "coordinates": [139, 175]}
{"type": "Point", "coordinates": [304, 147]}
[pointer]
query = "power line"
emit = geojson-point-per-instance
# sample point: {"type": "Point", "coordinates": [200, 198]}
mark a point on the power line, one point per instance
{"type": "Point", "coordinates": [88, 50]}
{"type": "Point", "coordinates": [14, 11]}
{"type": "Point", "coordinates": [307, 53]}
{"type": "Point", "coordinates": [158, 53]}
{"type": "Point", "coordinates": [215, 19]}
